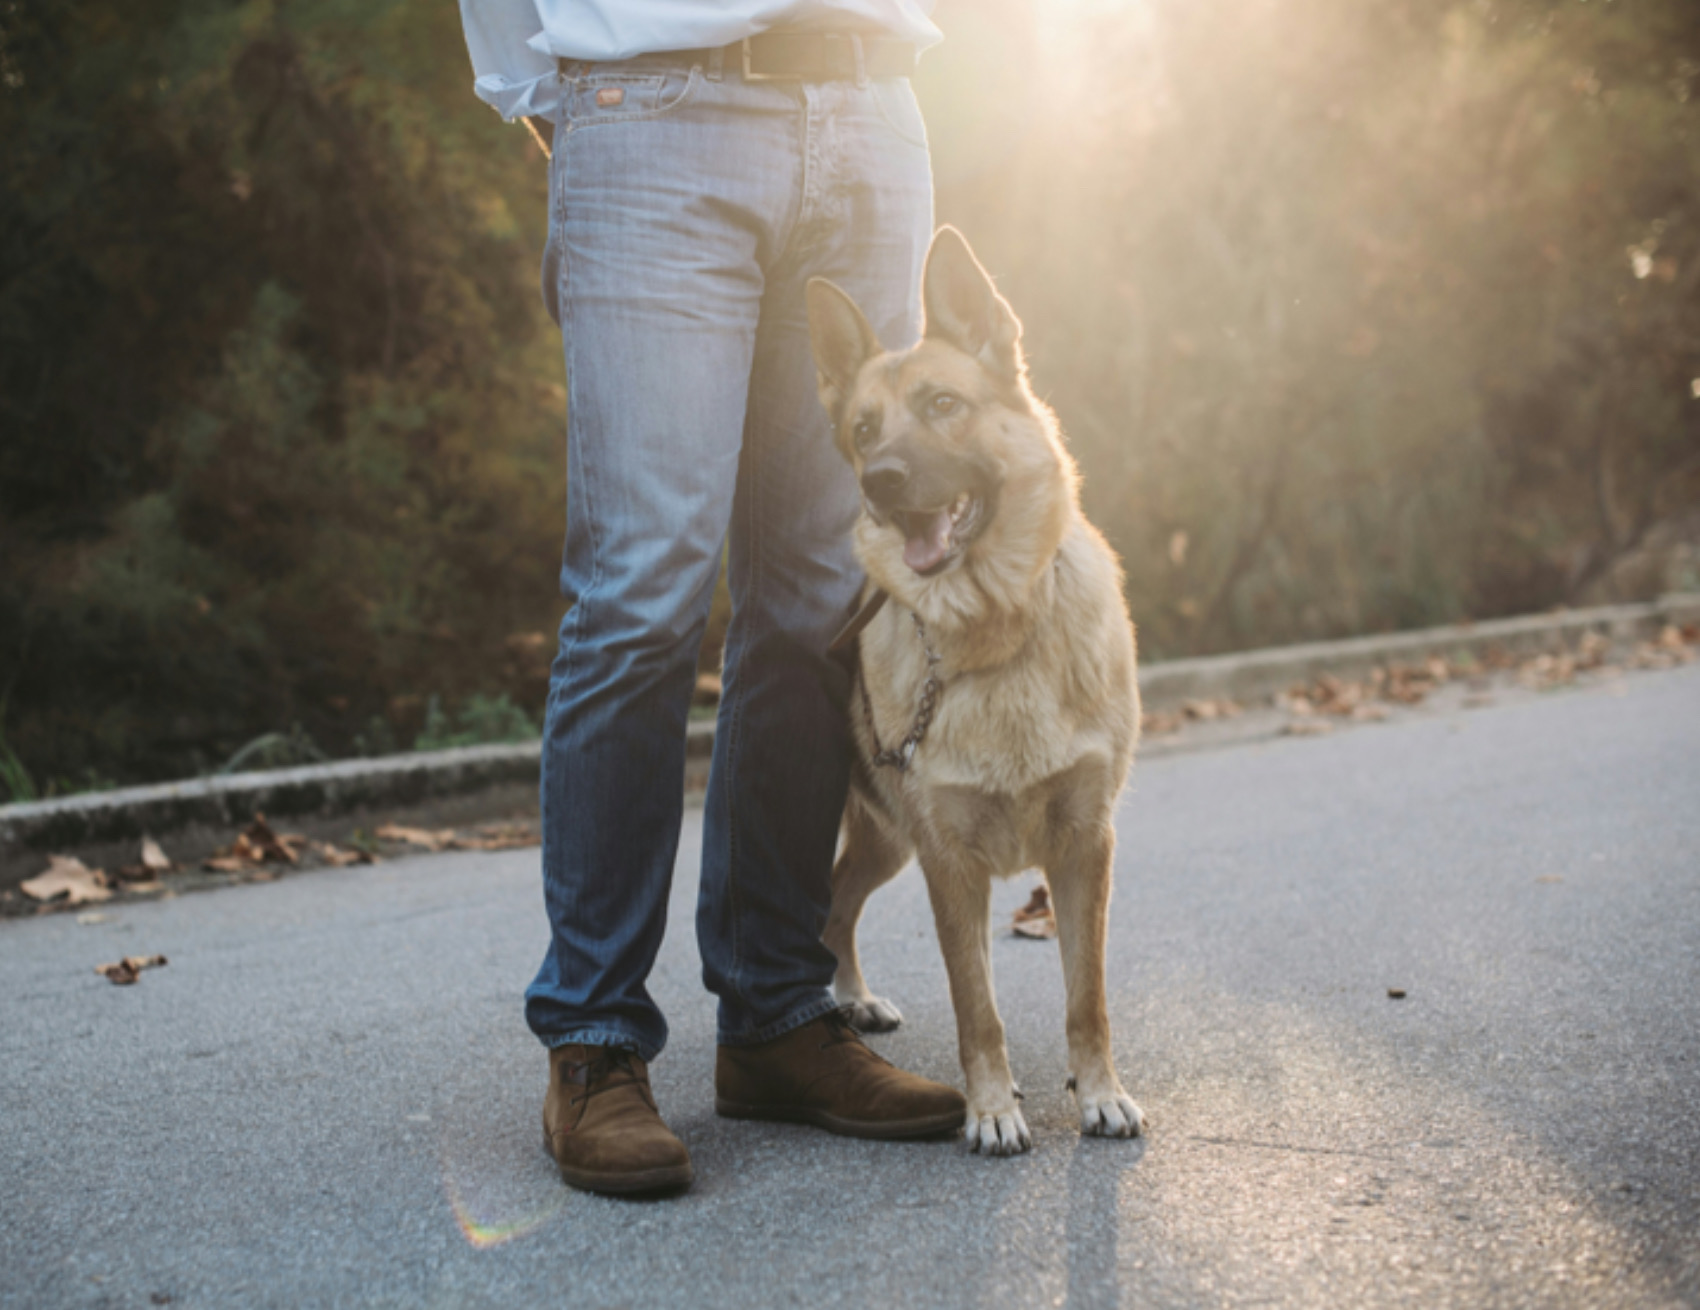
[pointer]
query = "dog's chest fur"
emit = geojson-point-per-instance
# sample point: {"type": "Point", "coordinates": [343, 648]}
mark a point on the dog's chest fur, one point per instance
{"type": "Point", "coordinates": [1025, 749]}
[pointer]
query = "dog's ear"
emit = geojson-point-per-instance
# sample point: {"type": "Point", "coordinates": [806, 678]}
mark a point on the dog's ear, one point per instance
{"type": "Point", "coordinates": [843, 341]}
{"type": "Point", "coordinates": [965, 309]}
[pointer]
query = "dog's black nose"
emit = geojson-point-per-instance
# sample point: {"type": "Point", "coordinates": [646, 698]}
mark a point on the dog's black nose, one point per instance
{"type": "Point", "coordinates": [884, 478]}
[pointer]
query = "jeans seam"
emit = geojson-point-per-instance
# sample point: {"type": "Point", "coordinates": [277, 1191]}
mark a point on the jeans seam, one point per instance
{"type": "Point", "coordinates": [573, 410]}
{"type": "Point", "coordinates": [754, 585]}
{"type": "Point", "coordinates": [575, 458]}
{"type": "Point", "coordinates": [735, 730]}
{"type": "Point", "coordinates": [792, 241]}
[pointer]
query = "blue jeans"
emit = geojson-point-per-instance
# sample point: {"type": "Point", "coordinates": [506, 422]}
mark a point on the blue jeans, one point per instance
{"type": "Point", "coordinates": [687, 211]}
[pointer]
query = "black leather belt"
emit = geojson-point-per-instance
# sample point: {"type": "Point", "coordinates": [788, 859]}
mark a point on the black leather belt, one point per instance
{"type": "Point", "coordinates": [820, 56]}
{"type": "Point", "coordinates": [806, 57]}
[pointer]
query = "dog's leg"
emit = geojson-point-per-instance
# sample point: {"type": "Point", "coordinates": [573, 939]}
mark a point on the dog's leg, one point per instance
{"type": "Point", "coordinates": [872, 857]}
{"type": "Point", "coordinates": [961, 894]}
{"type": "Point", "coordinates": [1080, 891]}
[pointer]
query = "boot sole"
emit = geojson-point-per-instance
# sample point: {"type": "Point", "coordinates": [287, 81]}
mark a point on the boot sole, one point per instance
{"type": "Point", "coordinates": [637, 1182]}
{"type": "Point", "coordinates": [890, 1130]}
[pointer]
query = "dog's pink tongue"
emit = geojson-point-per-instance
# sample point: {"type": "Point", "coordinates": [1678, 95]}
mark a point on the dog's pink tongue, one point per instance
{"type": "Point", "coordinates": [928, 542]}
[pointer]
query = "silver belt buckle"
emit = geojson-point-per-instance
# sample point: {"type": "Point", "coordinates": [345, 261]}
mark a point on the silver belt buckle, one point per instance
{"type": "Point", "coordinates": [764, 77]}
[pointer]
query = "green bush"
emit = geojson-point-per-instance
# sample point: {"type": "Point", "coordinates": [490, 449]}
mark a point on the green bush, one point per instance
{"type": "Point", "coordinates": [482, 720]}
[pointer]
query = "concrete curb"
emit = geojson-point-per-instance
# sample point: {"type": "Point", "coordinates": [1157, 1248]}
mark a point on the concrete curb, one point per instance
{"type": "Point", "coordinates": [29, 830]}
{"type": "Point", "coordinates": [1247, 676]}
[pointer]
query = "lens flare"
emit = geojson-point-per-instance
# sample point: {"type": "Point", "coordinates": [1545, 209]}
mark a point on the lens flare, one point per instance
{"type": "Point", "coordinates": [484, 1226]}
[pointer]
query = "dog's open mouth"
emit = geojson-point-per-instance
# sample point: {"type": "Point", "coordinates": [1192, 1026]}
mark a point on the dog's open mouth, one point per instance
{"type": "Point", "coordinates": [935, 537]}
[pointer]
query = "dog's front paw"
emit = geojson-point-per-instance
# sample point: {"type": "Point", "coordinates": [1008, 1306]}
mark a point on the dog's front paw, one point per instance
{"type": "Point", "coordinates": [872, 1014]}
{"type": "Point", "coordinates": [1112, 1114]}
{"type": "Point", "coordinates": [994, 1132]}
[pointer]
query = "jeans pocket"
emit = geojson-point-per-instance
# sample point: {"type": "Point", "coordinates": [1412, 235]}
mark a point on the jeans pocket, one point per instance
{"type": "Point", "coordinates": [601, 99]}
{"type": "Point", "coordinates": [898, 107]}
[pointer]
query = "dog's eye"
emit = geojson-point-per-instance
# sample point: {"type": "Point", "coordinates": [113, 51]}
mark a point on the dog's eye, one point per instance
{"type": "Point", "coordinates": [944, 403]}
{"type": "Point", "coordinates": [863, 432]}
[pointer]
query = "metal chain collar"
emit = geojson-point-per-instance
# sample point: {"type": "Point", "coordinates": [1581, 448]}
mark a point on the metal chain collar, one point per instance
{"type": "Point", "coordinates": [900, 755]}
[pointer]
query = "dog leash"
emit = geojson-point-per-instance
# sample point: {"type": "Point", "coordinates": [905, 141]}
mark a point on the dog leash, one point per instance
{"type": "Point", "coordinates": [850, 631]}
{"type": "Point", "coordinates": [900, 756]}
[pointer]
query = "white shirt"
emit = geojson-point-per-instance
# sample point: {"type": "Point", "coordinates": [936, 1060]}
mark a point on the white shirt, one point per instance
{"type": "Point", "coordinates": [514, 43]}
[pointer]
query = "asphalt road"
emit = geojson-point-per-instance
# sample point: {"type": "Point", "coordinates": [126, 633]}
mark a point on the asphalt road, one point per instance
{"type": "Point", "coordinates": [329, 1098]}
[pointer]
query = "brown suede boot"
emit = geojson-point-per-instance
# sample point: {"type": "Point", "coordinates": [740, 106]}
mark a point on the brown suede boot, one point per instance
{"type": "Point", "coordinates": [601, 1125]}
{"type": "Point", "coordinates": [822, 1074]}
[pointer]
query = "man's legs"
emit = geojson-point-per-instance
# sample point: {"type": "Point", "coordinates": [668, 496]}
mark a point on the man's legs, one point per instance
{"type": "Point", "coordinates": [658, 293]}
{"type": "Point", "coordinates": [685, 218]}
{"type": "Point", "coordinates": [782, 750]}
{"type": "Point", "coordinates": [782, 746]}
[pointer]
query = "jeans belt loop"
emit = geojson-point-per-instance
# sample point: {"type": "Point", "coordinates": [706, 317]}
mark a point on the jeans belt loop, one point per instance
{"type": "Point", "coordinates": [744, 48]}
{"type": "Point", "coordinates": [717, 63]}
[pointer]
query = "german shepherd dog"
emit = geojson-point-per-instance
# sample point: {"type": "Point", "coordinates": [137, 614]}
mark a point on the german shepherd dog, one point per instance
{"type": "Point", "coordinates": [996, 708]}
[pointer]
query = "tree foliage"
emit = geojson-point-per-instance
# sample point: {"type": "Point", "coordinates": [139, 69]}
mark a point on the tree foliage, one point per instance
{"type": "Point", "coordinates": [1359, 315]}
{"type": "Point", "coordinates": [282, 418]}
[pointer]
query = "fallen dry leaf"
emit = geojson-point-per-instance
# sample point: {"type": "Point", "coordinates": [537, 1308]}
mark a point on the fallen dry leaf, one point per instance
{"type": "Point", "coordinates": [1547, 671]}
{"type": "Point", "coordinates": [69, 877]}
{"type": "Point", "coordinates": [429, 838]}
{"type": "Point", "coordinates": [1161, 723]}
{"type": "Point", "coordinates": [1410, 685]}
{"type": "Point", "coordinates": [259, 836]}
{"type": "Point", "coordinates": [1669, 649]}
{"type": "Point", "coordinates": [1331, 695]}
{"type": "Point", "coordinates": [1308, 728]}
{"type": "Point", "coordinates": [1296, 702]}
{"type": "Point", "coordinates": [498, 837]}
{"type": "Point", "coordinates": [1207, 709]}
{"type": "Point", "coordinates": [146, 870]}
{"type": "Point", "coordinates": [340, 857]}
{"type": "Point", "coordinates": [1591, 650]}
{"type": "Point", "coordinates": [1036, 918]}
{"type": "Point", "coordinates": [255, 844]}
{"type": "Point", "coordinates": [127, 970]}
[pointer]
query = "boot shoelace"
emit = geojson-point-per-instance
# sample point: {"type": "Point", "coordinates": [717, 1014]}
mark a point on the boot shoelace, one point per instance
{"type": "Point", "coordinates": [599, 1074]}
{"type": "Point", "coordinates": [839, 1031]}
